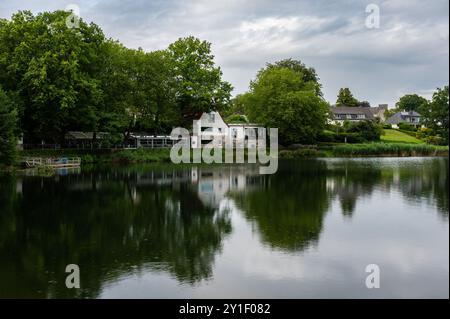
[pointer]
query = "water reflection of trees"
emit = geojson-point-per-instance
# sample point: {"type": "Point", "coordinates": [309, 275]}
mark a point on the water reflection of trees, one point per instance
{"type": "Point", "coordinates": [290, 206]}
{"type": "Point", "coordinates": [109, 225]}
{"type": "Point", "coordinates": [289, 209]}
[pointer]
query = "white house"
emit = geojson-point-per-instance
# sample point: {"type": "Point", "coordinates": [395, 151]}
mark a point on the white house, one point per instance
{"type": "Point", "coordinates": [211, 128]}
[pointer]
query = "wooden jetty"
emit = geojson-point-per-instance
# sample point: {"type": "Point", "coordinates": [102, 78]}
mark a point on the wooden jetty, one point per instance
{"type": "Point", "coordinates": [30, 162]}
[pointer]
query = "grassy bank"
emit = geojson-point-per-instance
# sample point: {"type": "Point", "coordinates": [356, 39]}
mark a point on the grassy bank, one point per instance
{"type": "Point", "coordinates": [388, 149]}
{"type": "Point", "coordinates": [163, 155]}
{"type": "Point", "coordinates": [396, 136]}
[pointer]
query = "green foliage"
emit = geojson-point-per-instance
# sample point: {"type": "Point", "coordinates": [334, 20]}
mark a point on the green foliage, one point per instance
{"type": "Point", "coordinates": [411, 102]}
{"type": "Point", "coordinates": [200, 87]}
{"type": "Point", "coordinates": [368, 130]}
{"type": "Point", "coordinates": [307, 74]}
{"type": "Point", "coordinates": [346, 98]}
{"type": "Point", "coordinates": [8, 130]}
{"type": "Point", "coordinates": [236, 119]}
{"type": "Point", "coordinates": [340, 137]}
{"type": "Point", "coordinates": [66, 79]}
{"type": "Point", "coordinates": [280, 98]}
{"type": "Point", "coordinates": [391, 149]}
{"type": "Point", "coordinates": [352, 132]}
{"type": "Point", "coordinates": [238, 104]}
{"type": "Point", "coordinates": [436, 113]}
{"type": "Point", "coordinates": [407, 127]}
{"type": "Point", "coordinates": [54, 71]}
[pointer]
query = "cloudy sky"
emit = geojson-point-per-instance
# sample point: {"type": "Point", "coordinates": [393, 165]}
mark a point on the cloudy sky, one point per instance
{"type": "Point", "coordinates": [408, 53]}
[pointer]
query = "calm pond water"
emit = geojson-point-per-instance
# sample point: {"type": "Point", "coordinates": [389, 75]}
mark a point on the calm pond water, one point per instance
{"type": "Point", "coordinates": [226, 232]}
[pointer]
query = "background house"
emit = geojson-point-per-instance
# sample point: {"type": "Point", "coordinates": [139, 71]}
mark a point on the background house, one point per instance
{"type": "Point", "coordinates": [339, 114]}
{"type": "Point", "coordinates": [409, 117]}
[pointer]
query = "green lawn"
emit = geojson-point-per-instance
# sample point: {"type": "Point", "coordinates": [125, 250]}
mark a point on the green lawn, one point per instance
{"type": "Point", "coordinates": [394, 136]}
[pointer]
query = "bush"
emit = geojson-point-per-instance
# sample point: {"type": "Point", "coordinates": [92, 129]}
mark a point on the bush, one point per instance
{"type": "Point", "coordinates": [435, 140]}
{"type": "Point", "coordinates": [387, 126]}
{"type": "Point", "coordinates": [368, 130]}
{"type": "Point", "coordinates": [407, 127]}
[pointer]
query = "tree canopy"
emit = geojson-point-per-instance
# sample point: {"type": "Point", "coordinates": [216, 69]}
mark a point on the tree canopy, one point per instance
{"type": "Point", "coordinates": [8, 130]}
{"type": "Point", "coordinates": [68, 78]}
{"type": "Point", "coordinates": [346, 98]}
{"type": "Point", "coordinates": [281, 98]}
{"type": "Point", "coordinates": [436, 113]}
{"type": "Point", "coordinates": [199, 83]}
{"type": "Point", "coordinates": [411, 102]}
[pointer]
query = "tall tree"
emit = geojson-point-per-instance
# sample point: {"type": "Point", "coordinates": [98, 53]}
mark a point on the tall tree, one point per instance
{"type": "Point", "coordinates": [346, 98]}
{"type": "Point", "coordinates": [8, 130]}
{"type": "Point", "coordinates": [54, 70]}
{"type": "Point", "coordinates": [411, 102]}
{"type": "Point", "coordinates": [280, 98]}
{"type": "Point", "coordinates": [200, 87]}
{"type": "Point", "coordinates": [436, 113]}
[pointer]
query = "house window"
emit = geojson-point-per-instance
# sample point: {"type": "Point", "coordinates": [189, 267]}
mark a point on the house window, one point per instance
{"type": "Point", "coordinates": [353, 116]}
{"type": "Point", "coordinates": [211, 118]}
{"type": "Point", "coordinates": [361, 116]}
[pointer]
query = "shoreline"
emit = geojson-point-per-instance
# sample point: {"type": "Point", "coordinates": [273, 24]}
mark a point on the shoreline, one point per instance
{"type": "Point", "coordinates": [135, 156]}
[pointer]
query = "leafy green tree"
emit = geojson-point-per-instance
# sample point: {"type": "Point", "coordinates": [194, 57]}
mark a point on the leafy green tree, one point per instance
{"type": "Point", "coordinates": [411, 102]}
{"type": "Point", "coordinates": [54, 70]}
{"type": "Point", "coordinates": [307, 74]}
{"type": "Point", "coordinates": [200, 87]}
{"type": "Point", "coordinates": [346, 98]}
{"type": "Point", "coordinates": [435, 114]}
{"type": "Point", "coordinates": [238, 104]}
{"type": "Point", "coordinates": [139, 90]}
{"type": "Point", "coordinates": [8, 130]}
{"type": "Point", "coordinates": [280, 98]}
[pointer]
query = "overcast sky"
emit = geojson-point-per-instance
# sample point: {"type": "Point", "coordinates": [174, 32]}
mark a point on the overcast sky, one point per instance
{"type": "Point", "coordinates": [408, 53]}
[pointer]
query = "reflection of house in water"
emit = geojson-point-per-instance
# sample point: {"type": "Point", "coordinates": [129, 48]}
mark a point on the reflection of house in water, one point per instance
{"type": "Point", "coordinates": [214, 184]}
{"type": "Point", "coordinates": [211, 184]}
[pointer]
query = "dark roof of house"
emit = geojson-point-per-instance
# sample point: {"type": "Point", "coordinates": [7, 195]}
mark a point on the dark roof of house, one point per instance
{"type": "Point", "coordinates": [401, 117]}
{"type": "Point", "coordinates": [352, 110]}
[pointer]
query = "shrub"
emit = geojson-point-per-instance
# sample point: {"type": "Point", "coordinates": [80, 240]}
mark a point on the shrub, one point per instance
{"type": "Point", "coordinates": [407, 127]}
{"type": "Point", "coordinates": [368, 130]}
{"type": "Point", "coordinates": [387, 126]}
{"type": "Point", "coordinates": [435, 140]}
